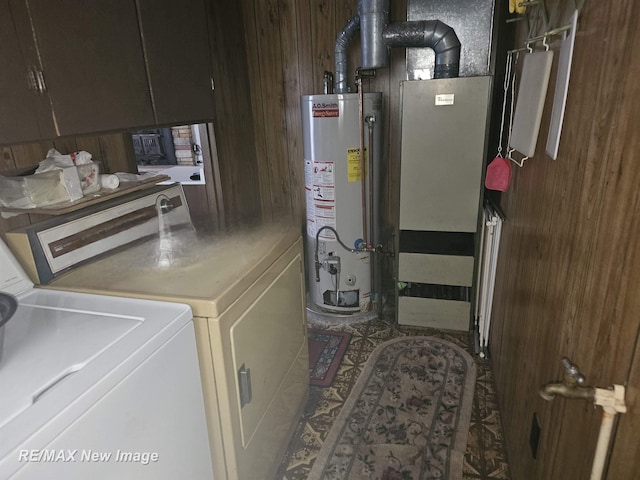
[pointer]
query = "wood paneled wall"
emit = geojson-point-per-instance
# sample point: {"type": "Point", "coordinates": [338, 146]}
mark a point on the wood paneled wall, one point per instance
{"type": "Point", "coordinates": [289, 46]}
{"type": "Point", "coordinates": [570, 258]}
{"type": "Point", "coordinates": [569, 264]}
{"type": "Point", "coordinates": [237, 167]}
{"type": "Point", "coordinates": [569, 267]}
{"type": "Point", "coordinates": [114, 151]}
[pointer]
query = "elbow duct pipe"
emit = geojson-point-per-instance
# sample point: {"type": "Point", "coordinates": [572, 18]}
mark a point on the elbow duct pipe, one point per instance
{"type": "Point", "coordinates": [428, 33]}
{"type": "Point", "coordinates": [340, 53]}
{"type": "Point", "coordinates": [378, 35]}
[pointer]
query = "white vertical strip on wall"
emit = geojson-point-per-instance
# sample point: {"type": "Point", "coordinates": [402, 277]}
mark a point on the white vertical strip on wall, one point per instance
{"type": "Point", "coordinates": [490, 245]}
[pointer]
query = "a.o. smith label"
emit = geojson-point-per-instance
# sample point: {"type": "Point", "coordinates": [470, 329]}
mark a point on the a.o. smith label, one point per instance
{"type": "Point", "coordinates": [322, 109]}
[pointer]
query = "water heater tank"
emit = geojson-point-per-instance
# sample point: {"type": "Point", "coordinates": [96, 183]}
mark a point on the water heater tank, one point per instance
{"type": "Point", "coordinates": [340, 279]}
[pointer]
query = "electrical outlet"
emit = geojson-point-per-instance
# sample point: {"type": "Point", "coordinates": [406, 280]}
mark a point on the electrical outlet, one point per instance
{"type": "Point", "coordinates": [534, 436]}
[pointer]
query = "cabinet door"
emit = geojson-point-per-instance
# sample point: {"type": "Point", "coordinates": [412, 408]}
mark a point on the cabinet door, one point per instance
{"type": "Point", "coordinates": [25, 114]}
{"type": "Point", "coordinates": [93, 64]}
{"type": "Point", "coordinates": [176, 46]}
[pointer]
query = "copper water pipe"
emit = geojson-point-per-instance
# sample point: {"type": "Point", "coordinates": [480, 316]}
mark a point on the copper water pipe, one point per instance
{"type": "Point", "coordinates": [363, 183]}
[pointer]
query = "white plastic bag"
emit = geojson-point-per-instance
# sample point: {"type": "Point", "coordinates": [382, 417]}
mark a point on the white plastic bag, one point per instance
{"type": "Point", "coordinates": [34, 191]}
{"type": "Point", "coordinates": [78, 162]}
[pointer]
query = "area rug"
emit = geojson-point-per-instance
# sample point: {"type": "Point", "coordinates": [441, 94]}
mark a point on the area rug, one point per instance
{"type": "Point", "coordinates": [326, 349]}
{"type": "Point", "coordinates": [407, 417]}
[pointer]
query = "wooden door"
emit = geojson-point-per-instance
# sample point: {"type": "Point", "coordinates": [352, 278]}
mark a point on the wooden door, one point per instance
{"type": "Point", "coordinates": [176, 47]}
{"type": "Point", "coordinates": [93, 64]}
{"type": "Point", "coordinates": [26, 114]}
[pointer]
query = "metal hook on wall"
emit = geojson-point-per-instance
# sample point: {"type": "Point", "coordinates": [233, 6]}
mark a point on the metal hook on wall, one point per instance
{"type": "Point", "coordinates": [510, 157]}
{"type": "Point", "coordinates": [545, 44]}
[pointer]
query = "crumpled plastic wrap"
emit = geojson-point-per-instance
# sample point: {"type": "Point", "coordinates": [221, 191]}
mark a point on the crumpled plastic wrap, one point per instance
{"type": "Point", "coordinates": [80, 162]}
{"type": "Point", "coordinates": [34, 191]}
{"type": "Point", "coordinates": [58, 178]}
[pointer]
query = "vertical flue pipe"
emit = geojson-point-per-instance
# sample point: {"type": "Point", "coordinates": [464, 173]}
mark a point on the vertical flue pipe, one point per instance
{"type": "Point", "coordinates": [340, 54]}
{"type": "Point", "coordinates": [374, 17]}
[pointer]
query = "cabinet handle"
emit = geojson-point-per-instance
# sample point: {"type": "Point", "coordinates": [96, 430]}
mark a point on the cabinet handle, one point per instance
{"type": "Point", "coordinates": [244, 383]}
{"type": "Point", "coordinates": [42, 87]}
{"type": "Point", "coordinates": [32, 81]}
{"type": "Point", "coordinates": [35, 80]}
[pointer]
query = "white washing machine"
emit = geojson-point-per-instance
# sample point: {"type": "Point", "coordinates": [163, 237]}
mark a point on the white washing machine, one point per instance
{"type": "Point", "coordinates": [245, 287]}
{"type": "Point", "coordinates": [95, 387]}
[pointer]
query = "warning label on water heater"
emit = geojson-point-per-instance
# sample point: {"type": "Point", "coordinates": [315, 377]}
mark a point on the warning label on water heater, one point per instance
{"type": "Point", "coordinates": [320, 182]}
{"type": "Point", "coordinates": [324, 110]}
{"type": "Point", "coordinates": [353, 164]}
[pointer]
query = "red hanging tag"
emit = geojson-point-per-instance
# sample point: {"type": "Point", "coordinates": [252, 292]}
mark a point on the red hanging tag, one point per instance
{"type": "Point", "coordinates": [498, 174]}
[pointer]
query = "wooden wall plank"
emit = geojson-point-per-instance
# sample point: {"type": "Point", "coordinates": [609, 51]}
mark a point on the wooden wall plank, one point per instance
{"type": "Point", "coordinates": [270, 50]}
{"type": "Point", "coordinates": [117, 153]}
{"type": "Point", "coordinates": [65, 145]}
{"type": "Point", "coordinates": [233, 122]}
{"type": "Point", "coordinates": [91, 144]}
{"type": "Point", "coordinates": [305, 46]}
{"type": "Point", "coordinates": [291, 75]}
{"type": "Point", "coordinates": [569, 260]}
{"type": "Point", "coordinates": [323, 35]}
{"type": "Point", "coordinates": [251, 26]}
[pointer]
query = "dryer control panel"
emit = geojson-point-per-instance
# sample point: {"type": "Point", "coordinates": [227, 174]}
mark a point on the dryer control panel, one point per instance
{"type": "Point", "coordinates": [49, 248]}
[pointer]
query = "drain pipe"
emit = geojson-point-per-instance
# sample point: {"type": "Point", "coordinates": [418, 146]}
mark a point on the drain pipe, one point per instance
{"type": "Point", "coordinates": [612, 402]}
{"type": "Point", "coordinates": [428, 33]}
{"type": "Point", "coordinates": [610, 399]}
{"type": "Point", "coordinates": [340, 55]}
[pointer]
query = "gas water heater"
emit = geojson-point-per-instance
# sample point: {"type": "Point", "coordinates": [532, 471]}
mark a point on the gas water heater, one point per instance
{"type": "Point", "coordinates": [342, 199]}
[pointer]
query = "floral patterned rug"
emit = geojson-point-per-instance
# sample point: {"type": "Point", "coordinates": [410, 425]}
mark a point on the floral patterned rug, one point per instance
{"type": "Point", "coordinates": [407, 417]}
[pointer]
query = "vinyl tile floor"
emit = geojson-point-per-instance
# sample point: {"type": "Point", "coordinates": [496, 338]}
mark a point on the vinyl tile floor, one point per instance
{"type": "Point", "coordinates": [485, 456]}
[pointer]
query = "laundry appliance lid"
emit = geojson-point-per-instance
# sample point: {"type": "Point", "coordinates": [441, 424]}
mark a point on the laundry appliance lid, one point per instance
{"type": "Point", "coordinates": [63, 351]}
{"type": "Point", "coordinates": [208, 272]}
{"type": "Point", "coordinates": [13, 280]}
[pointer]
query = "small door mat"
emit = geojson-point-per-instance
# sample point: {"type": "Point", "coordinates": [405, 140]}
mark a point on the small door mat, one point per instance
{"type": "Point", "coordinates": [326, 349]}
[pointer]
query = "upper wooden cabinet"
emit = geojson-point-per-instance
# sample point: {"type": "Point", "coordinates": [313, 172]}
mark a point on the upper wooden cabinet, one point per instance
{"type": "Point", "coordinates": [25, 113]}
{"type": "Point", "coordinates": [176, 46]}
{"type": "Point", "coordinates": [86, 67]}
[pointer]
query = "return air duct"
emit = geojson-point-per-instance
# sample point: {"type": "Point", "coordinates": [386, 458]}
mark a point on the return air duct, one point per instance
{"type": "Point", "coordinates": [377, 35]}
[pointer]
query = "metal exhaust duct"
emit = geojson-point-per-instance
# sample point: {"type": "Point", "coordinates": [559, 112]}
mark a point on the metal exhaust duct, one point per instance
{"type": "Point", "coordinates": [374, 17]}
{"type": "Point", "coordinates": [377, 35]}
{"type": "Point", "coordinates": [428, 33]}
{"type": "Point", "coordinates": [340, 55]}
